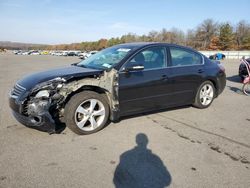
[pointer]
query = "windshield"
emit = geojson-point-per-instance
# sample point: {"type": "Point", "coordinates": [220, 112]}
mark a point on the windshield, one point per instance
{"type": "Point", "coordinates": [105, 59]}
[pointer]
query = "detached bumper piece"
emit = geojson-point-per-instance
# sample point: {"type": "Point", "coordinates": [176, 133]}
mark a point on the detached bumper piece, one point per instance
{"type": "Point", "coordinates": [38, 116]}
{"type": "Point", "coordinates": [43, 123]}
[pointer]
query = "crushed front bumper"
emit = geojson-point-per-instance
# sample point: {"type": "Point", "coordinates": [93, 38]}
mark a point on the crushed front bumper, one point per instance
{"type": "Point", "coordinates": [43, 122]}
{"type": "Point", "coordinates": [46, 124]}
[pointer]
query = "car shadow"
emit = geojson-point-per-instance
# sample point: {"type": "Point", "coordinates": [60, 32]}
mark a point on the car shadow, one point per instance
{"type": "Point", "coordinates": [234, 78]}
{"type": "Point", "coordinates": [152, 112]}
{"type": "Point", "coordinates": [140, 167]}
{"type": "Point", "coordinates": [58, 127]}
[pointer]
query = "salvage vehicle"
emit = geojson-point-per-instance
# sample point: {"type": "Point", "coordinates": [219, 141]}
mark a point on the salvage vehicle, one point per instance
{"type": "Point", "coordinates": [122, 80]}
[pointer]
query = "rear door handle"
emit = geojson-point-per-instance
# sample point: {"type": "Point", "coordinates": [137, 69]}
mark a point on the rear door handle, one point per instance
{"type": "Point", "coordinates": [200, 71]}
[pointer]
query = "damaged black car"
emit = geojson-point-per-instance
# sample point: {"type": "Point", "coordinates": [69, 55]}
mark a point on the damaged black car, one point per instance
{"type": "Point", "coordinates": [122, 80]}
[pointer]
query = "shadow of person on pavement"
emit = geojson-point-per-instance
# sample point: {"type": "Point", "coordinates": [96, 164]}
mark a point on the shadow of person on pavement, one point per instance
{"type": "Point", "coordinates": [139, 167]}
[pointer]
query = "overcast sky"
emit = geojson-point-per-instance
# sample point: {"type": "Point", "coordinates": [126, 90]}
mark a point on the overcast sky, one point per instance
{"type": "Point", "coordinates": [68, 21]}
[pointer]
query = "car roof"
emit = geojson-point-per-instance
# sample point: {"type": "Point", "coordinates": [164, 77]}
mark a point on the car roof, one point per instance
{"type": "Point", "coordinates": [145, 44]}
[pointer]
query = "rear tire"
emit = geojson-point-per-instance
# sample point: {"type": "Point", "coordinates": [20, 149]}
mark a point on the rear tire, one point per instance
{"type": "Point", "coordinates": [205, 95]}
{"type": "Point", "coordinates": [86, 112]}
{"type": "Point", "coordinates": [246, 89]}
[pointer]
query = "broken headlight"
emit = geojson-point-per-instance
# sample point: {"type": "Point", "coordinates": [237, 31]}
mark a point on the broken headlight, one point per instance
{"type": "Point", "coordinates": [42, 94]}
{"type": "Point", "coordinates": [43, 89]}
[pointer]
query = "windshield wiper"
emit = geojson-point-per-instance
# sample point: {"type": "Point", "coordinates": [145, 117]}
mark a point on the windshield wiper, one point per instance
{"type": "Point", "coordinates": [79, 65]}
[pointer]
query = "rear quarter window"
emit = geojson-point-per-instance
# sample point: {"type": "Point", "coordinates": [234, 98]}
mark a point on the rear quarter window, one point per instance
{"type": "Point", "coordinates": [182, 57]}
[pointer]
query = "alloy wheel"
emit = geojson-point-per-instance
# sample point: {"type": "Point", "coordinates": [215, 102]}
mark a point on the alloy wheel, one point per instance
{"type": "Point", "coordinates": [206, 94]}
{"type": "Point", "coordinates": [89, 115]}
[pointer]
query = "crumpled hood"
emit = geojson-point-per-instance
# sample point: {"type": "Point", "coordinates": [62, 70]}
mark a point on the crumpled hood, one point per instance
{"type": "Point", "coordinates": [30, 81]}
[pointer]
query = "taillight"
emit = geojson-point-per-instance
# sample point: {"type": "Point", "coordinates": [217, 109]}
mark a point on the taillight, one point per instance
{"type": "Point", "coordinates": [221, 67]}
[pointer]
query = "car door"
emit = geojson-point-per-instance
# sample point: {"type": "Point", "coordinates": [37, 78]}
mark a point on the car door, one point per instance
{"type": "Point", "coordinates": [143, 90]}
{"type": "Point", "coordinates": [187, 73]}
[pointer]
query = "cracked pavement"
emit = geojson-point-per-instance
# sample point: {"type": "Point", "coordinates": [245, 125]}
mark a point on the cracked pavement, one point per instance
{"type": "Point", "coordinates": [182, 147]}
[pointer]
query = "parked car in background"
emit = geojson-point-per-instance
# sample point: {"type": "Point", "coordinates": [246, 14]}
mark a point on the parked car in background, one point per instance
{"type": "Point", "coordinates": [217, 56]}
{"type": "Point", "coordinates": [90, 53]}
{"type": "Point", "coordinates": [65, 53]}
{"type": "Point", "coordinates": [85, 55]}
{"type": "Point", "coordinates": [243, 70]}
{"type": "Point", "coordinates": [77, 52]}
{"type": "Point", "coordinates": [17, 52]}
{"type": "Point", "coordinates": [122, 80]}
{"type": "Point", "coordinates": [34, 52]}
{"type": "Point", "coordinates": [72, 53]}
{"type": "Point", "coordinates": [52, 52]}
{"type": "Point", "coordinates": [25, 52]}
{"type": "Point", "coordinates": [44, 53]}
{"type": "Point", "coordinates": [58, 53]}
{"type": "Point", "coordinates": [82, 55]}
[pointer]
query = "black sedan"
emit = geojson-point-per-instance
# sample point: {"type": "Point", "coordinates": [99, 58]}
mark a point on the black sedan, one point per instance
{"type": "Point", "coordinates": [243, 70]}
{"type": "Point", "coordinates": [118, 81]}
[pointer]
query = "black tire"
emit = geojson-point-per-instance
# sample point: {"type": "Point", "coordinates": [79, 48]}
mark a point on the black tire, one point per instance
{"type": "Point", "coordinates": [198, 103]}
{"type": "Point", "coordinates": [246, 89]}
{"type": "Point", "coordinates": [77, 100]}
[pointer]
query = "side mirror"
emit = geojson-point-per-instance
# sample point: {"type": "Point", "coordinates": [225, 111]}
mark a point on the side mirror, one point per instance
{"type": "Point", "coordinates": [134, 68]}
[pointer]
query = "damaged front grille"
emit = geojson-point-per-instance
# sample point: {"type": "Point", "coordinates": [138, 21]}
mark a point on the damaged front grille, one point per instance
{"type": "Point", "coordinates": [25, 108]}
{"type": "Point", "coordinates": [18, 90]}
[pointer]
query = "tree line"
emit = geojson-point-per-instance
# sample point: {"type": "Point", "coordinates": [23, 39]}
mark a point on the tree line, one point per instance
{"type": "Point", "coordinates": [209, 35]}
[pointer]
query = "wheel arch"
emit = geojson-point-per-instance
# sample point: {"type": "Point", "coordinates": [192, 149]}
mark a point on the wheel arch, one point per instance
{"type": "Point", "coordinates": [214, 82]}
{"type": "Point", "coordinates": [77, 99]}
{"type": "Point", "coordinates": [97, 89]}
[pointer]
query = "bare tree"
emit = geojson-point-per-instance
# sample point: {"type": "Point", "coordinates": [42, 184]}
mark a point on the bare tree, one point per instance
{"type": "Point", "coordinates": [178, 36]}
{"type": "Point", "coordinates": [153, 35]}
{"type": "Point", "coordinates": [242, 33]}
{"type": "Point", "coordinates": [190, 38]}
{"type": "Point", "coordinates": [207, 29]}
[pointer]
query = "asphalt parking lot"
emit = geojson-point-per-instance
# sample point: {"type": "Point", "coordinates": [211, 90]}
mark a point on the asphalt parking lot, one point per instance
{"type": "Point", "coordinates": [183, 147]}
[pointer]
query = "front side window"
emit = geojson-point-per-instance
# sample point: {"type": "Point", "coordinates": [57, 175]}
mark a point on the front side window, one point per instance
{"type": "Point", "coordinates": [181, 57]}
{"type": "Point", "coordinates": [151, 58]}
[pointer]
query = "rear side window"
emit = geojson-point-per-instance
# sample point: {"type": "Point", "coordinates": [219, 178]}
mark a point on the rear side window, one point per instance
{"type": "Point", "coordinates": [181, 57]}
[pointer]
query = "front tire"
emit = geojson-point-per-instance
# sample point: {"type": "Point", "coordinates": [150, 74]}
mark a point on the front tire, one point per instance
{"type": "Point", "coordinates": [205, 95]}
{"type": "Point", "coordinates": [86, 112]}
